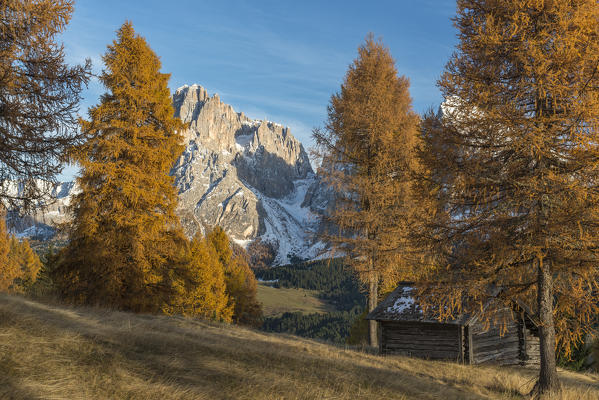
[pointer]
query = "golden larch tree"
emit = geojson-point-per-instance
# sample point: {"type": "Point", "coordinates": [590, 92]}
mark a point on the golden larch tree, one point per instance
{"type": "Point", "coordinates": [8, 269]}
{"type": "Point", "coordinates": [243, 289]}
{"type": "Point", "coordinates": [511, 190]}
{"type": "Point", "coordinates": [39, 97]}
{"type": "Point", "coordinates": [367, 151]}
{"type": "Point", "coordinates": [241, 284]}
{"type": "Point", "coordinates": [205, 294]}
{"type": "Point", "coordinates": [222, 244]}
{"type": "Point", "coordinates": [26, 261]}
{"type": "Point", "coordinates": [19, 264]}
{"type": "Point", "coordinates": [126, 247]}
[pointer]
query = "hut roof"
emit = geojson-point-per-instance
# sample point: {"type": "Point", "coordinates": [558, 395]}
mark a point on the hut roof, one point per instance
{"type": "Point", "coordinates": [400, 305]}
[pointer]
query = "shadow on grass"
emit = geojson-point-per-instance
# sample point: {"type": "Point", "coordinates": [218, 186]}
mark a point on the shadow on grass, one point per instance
{"type": "Point", "coordinates": [217, 361]}
{"type": "Point", "coordinates": [11, 384]}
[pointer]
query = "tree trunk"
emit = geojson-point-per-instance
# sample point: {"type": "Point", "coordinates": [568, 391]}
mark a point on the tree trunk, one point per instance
{"type": "Point", "coordinates": [372, 300]}
{"type": "Point", "coordinates": [548, 379]}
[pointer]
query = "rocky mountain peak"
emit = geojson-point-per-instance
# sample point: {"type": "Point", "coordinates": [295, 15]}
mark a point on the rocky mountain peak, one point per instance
{"type": "Point", "coordinates": [216, 126]}
{"type": "Point", "coordinates": [248, 176]}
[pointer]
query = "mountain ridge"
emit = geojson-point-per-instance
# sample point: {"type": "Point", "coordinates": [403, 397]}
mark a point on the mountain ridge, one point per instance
{"type": "Point", "coordinates": [251, 177]}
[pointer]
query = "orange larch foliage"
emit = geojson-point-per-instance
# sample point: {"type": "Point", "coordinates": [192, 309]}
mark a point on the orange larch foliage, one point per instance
{"type": "Point", "coordinates": [241, 284]}
{"type": "Point", "coordinates": [367, 152]}
{"type": "Point", "coordinates": [511, 195]}
{"type": "Point", "coordinates": [205, 296]}
{"type": "Point", "coordinates": [19, 264]}
{"type": "Point", "coordinates": [126, 247]}
{"type": "Point", "coordinates": [9, 271]}
{"type": "Point", "coordinates": [26, 261]}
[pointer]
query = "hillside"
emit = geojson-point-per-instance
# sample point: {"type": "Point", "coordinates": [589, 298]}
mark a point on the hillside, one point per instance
{"type": "Point", "coordinates": [276, 301]}
{"type": "Point", "coordinates": [51, 352]}
{"type": "Point", "coordinates": [315, 299]}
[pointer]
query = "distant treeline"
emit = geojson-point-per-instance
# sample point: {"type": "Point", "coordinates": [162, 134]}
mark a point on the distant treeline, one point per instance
{"type": "Point", "coordinates": [332, 278]}
{"type": "Point", "coordinates": [336, 284]}
{"type": "Point", "coordinates": [333, 327]}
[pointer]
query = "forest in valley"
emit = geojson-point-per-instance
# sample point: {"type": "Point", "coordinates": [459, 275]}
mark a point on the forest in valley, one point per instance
{"type": "Point", "coordinates": [336, 284]}
{"type": "Point", "coordinates": [489, 200]}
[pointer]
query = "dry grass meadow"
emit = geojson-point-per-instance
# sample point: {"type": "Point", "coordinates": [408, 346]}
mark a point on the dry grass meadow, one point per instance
{"type": "Point", "coordinates": [276, 301]}
{"type": "Point", "coordinates": [52, 352]}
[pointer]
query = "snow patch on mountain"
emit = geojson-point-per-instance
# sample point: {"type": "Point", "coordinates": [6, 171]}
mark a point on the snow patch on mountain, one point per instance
{"type": "Point", "coordinates": [289, 225]}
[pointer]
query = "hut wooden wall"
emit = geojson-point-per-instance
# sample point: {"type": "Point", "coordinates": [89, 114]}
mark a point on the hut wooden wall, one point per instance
{"type": "Point", "coordinates": [489, 345]}
{"type": "Point", "coordinates": [529, 342]}
{"type": "Point", "coordinates": [421, 339]}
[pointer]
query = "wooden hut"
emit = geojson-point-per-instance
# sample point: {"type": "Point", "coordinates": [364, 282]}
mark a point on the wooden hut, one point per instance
{"type": "Point", "coordinates": [405, 330]}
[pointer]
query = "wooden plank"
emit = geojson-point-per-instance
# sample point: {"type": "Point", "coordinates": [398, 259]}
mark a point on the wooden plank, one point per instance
{"type": "Point", "coordinates": [425, 345]}
{"type": "Point", "coordinates": [495, 351]}
{"type": "Point", "coordinates": [505, 339]}
{"type": "Point", "coordinates": [434, 343]}
{"type": "Point", "coordinates": [432, 355]}
{"type": "Point", "coordinates": [485, 341]}
{"type": "Point", "coordinates": [422, 327]}
{"type": "Point", "coordinates": [420, 331]}
{"type": "Point", "coordinates": [421, 347]}
{"type": "Point", "coordinates": [420, 350]}
{"type": "Point", "coordinates": [381, 331]}
{"type": "Point", "coordinates": [394, 331]}
{"type": "Point", "coordinates": [423, 338]}
{"type": "Point", "coordinates": [498, 357]}
{"type": "Point", "coordinates": [495, 355]}
{"type": "Point", "coordinates": [416, 334]}
{"type": "Point", "coordinates": [498, 332]}
{"type": "Point", "coordinates": [478, 344]}
{"type": "Point", "coordinates": [495, 345]}
{"type": "Point", "coordinates": [454, 344]}
{"type": "Point", "coordinates": [440, 342]}
{"type": "Point", "coordinates": [522, 334]}
{"type": "Point", "coordinates": [488, 349]}
{"type": "Point", "coordinates": [470, 347]}
{"type": "Point", "coordinates": [480, 329]}
{"type": "Point", "coordinates": [461, 343]}
{"type": "Point", "coordinates": [429, 345]}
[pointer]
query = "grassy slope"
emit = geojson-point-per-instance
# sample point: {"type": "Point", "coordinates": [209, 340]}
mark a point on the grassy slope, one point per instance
{"type": "Point", "coordinates": [49, 352]}
{"type": "Point", "coordinates": [276, 301]}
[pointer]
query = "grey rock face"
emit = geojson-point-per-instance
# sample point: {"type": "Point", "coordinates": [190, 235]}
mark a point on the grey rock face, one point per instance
{"type": "Point", "coordinates": [51, 211]}
{"type": "Point", "coordinates": [320, 199]}
{"type": "Point", "coordinates": [248, 176]}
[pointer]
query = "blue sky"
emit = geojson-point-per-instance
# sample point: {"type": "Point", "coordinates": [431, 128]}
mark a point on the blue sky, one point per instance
{"type": "Point", "coordinates": [279, 60]}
